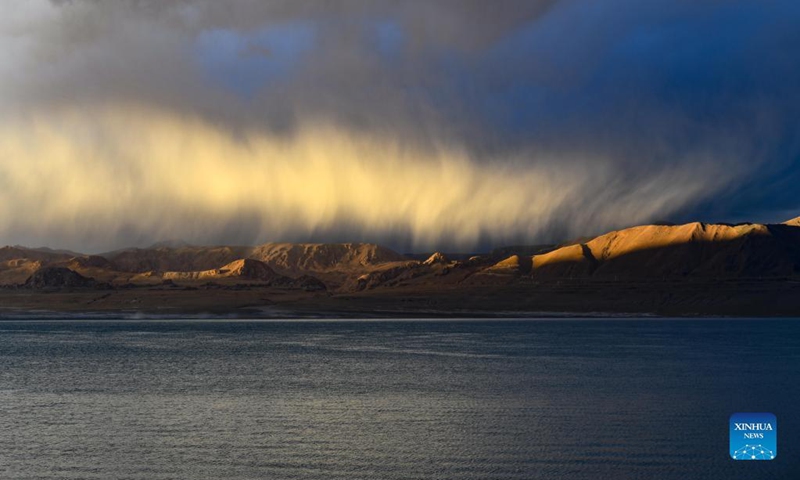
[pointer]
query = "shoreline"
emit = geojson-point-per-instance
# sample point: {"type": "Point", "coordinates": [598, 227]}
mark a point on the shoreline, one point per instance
{"type": "Point", "coordinates": [691, 299]}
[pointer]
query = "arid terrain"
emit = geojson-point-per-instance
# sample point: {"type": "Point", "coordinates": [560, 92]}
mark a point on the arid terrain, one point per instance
{"type": "Point", "coordinates": [691, 269]}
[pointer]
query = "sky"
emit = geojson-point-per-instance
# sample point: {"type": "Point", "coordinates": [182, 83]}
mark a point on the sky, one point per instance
{"type": "Point", "coordinates": [421, 125]}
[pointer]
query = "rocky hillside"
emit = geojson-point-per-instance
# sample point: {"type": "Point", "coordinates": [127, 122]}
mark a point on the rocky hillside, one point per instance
{"type": "Point", "coordinates": [287, 258]}
{"type": "Point", "coordinates": [242, 269]}
{"type": "Point", "coordinates": [17, 263]}
{"type": "Point", "coordinates": [58, 278]}
{"type": "Point", "coordinates": [32, 254]}
{"type": "Point", "coordinates": [661, 251]}
{"type": "Point", "coordinates": [648, 252]}
{"type": "Point", "coordinates": [324, 257]}
{"type": "Point", "coordinates": [174, 259]}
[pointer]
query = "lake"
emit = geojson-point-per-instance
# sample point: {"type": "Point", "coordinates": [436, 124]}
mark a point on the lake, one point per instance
{"type": "Point", "coordinates": [472, 399]}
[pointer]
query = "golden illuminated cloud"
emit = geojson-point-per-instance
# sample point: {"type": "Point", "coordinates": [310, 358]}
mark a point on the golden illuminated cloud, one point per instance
{"type": "Point", "coordinates": [74, 175]}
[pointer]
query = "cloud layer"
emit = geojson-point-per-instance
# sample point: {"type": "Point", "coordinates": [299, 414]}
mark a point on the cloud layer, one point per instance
{"type": "Point", "coordinates": [417, 124]}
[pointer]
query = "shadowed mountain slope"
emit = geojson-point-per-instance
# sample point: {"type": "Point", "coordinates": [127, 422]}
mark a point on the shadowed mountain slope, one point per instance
{"type": "Point", "coordinates": [324, 257]}
{"type": "Point", "coordinates": [696, 249]}
{"type": "Point", "coordinates": [60, 277]}
{"type": "Point", "coordinates": [32, 254]}
{"type": "Point", "coordinates": [170, 259]}
{"type": "Point", "coordinates": [293, 258]}
{"type": "Point", "coordinates": [245, 269]}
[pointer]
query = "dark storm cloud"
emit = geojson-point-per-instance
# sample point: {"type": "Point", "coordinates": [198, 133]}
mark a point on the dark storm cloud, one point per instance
{"type": "Point", "coordinates": [654, 95]}
{"type": "Point", "coordinates": [540, 69]}
{"type": "Point", "coordinates": [372, 63]}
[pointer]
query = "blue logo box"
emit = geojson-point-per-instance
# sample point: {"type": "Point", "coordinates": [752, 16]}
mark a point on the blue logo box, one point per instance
{"type": "Point", "coordinates": [753, 436]}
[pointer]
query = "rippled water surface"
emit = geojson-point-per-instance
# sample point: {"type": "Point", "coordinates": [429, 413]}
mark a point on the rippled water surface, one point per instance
{"type": "Point", "coordinates": [549, 399]}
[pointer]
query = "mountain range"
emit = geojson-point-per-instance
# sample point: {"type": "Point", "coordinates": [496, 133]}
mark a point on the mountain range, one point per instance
{"type": "Point", "coordinates": [694, 268]}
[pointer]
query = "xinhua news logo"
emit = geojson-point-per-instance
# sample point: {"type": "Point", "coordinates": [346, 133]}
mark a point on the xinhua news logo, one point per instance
{"type": "Point", "coordinates": [753, 436]}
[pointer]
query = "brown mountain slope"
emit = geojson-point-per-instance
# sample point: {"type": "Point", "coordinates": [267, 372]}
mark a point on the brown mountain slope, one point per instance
{"type": "Point", "coordinates": [697, 249]}
{"type": "Point", "coordinates": [180, 259]}
{"type": "Point", "coordinates": [244, 268]}
{"type": "Point", "coordinates": [515, 264]}
{"type": "Point", "coordinates": [335, 262]}
{"type": "Point", "coordinates": [412, 273]}
{"type": "Point", "coordinates": [324, 257]}
{"type": "Point", "coordinates": [60, 277]}
{"type": "Point", "coordinates": [90, 261]}
{"type": "Point", "coordinates": [795, 222]}
{"type": "Point", "coordinates": [17, 263]}
{"type": "Point", "coordinates": [34, 254]}
{"type": "Point", "coordinates": [15, 272]}
{"type": "Point", "coordinates": [293, 258]}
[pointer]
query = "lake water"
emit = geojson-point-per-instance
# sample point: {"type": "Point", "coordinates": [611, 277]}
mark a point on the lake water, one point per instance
{"type": "Point", "coordinates": [535, 399]}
